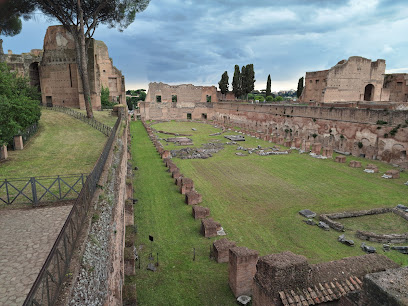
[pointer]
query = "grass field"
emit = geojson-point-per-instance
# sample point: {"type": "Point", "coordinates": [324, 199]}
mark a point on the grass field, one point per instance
{"type": "Point", "coordinates": [63, 145]}
{"type": "Point", "coordinates": [103, 116]}
{"type": "Point", "coordinates": [256, 199]}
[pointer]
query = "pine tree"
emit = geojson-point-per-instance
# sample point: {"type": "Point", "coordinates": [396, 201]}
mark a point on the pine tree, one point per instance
{"type": "Point", "coordinates": [237, 82]}
{"type": "Point", "coordinates": [300, 87]}
{"type": "Point", "coordinates": [268, 86]}
{"type": "Point", "coordinates": [223, 83]}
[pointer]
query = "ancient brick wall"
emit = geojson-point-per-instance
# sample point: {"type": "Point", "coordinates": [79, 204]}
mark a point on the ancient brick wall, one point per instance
{"type": "Point", "coordinates": [355, 79]}
{"type": "Point", "coordinates": [339, 128]}
{"type": "Point", "coordinates": [397, 83]}
{"type": "Point", "coordinates": [315, 82]}
{"type": "Point", "coordinates": [187, 95]}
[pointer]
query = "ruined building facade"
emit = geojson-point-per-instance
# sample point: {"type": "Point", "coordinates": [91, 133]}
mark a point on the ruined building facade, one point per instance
{"type": "Point", "coordinates": [353, 80]}
{"type": "Point", "coordinates": [54, 70]}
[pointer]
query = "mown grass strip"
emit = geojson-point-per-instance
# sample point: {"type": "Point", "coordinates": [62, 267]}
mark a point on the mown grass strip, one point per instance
{"type": "Point", "coordinates": [162, 213]}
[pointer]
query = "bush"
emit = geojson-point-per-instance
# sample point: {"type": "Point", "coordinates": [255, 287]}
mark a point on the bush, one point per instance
{"type": "Point", "coordinates": [105, 103]}
{"type": "Point", "coordinates": [19, 105]}
{"type": "Point", "coordinates": [269, 98]}
{"type": "Point", "coordinates": [360, 144]}
{"type": "Point", "coordinates": [381, 122]}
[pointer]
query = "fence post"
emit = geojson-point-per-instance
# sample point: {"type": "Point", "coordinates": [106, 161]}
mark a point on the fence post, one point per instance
{"type": "Point", "coordinates": [59, 186]}
{"type": "Point", "coordinates": [7, 192]}
{"type": "Point", "coordinates": [34, 190]}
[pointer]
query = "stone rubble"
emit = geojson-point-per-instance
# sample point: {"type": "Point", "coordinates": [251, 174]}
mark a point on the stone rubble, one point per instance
{"type": "Point", "coordinates": [206, 151]}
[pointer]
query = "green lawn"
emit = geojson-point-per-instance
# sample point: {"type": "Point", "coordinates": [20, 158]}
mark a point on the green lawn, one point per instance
{"type": "Point", "coordinates": [63, 145]}
{"type": "Point", "coordinates": [103, 116]}
{"type": "Point", "coordinates": [256, 199]}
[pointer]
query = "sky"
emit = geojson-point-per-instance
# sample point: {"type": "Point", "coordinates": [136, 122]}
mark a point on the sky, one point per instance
{"type": "Point", "coordinates": [194, 42]}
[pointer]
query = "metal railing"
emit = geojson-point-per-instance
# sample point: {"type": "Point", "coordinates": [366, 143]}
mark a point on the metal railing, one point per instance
{"type": "Point", "coordinates": [46, 287]}
{"type": "Point", "coordinates": [103, 128]}
{"type": "Point", "coordinates": [40, 189]}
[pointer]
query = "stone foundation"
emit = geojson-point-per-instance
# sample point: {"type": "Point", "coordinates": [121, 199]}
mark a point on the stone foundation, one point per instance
{"type": "Point", "coordinates": [316, 148]}
{"type": "Point", "coordinates": [393, 173]}
{"type": "Point", "coordinates": [355, 164]}
{"type": "Point", "coordinates": [193, 198]}
{"type": "Point", "coordinates": [209, 227]}
{"type": "Point", "coordinates": [187, 185]}
{"type": "Point", "coordinates": [372, 167]}
{"type": "Point", "coordinates": [241, 270]}
{"type": "Point", "coordinates": [340, 159]}
{"type": "Point", "coordinates": [200, 212]}
{"type": "Point", "coordinates": [328, 152]}
{"type": "Point", "coordinates": [221, 249]}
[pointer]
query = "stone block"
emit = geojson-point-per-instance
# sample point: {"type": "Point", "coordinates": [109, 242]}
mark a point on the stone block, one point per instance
{"type": "Point", "coordinates": [355, 164]}
{"type": "Point", "coordinates": [372, 167]}
{"type": "Point", "coordinates": [316, 148]}
{"type": "Point", "coordinates": [298, 142]}
{"type": "Point", "coordinates": [393, 173]}
{"type": "Point", "coordinates": [178, 181]}
{"type": "Point", "coordinates": [176, 176]}
{"type": "Point", "coordinates": [209, 227]}
{"type": "Point", "coordinates": [287, 143]}
{"type": "Point", "coordinates": [340, 159]}
{"type": "Point", "coordinates": [166, 154]}
{"type": "Point", "coordinates": [221, 249]}
{"type": "Point", "coordinates": [3, 152]}
{"type": "Point", "coordinates": [241, 270]}
{"type": "Point", "coordinates": [193, 198]}
{"type": "Point", "coordinates": [18, 143]}
{"type": "Point", "coordinates": [278, 272]}
{"type": "Point", "coordinates": [186, 185]}
{"type": "Point", "coordinates": [173, 168]}
{"type": "Point", "coordinates": [328, 152]}
{"type": "Point", "coordinates": [200, 212]}
{"type": "Point", "coordinates": [306, 146]}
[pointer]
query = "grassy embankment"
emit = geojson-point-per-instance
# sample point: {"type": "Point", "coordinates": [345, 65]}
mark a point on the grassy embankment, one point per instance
{"type": "Point", "coordinates": [256, 199]}
{"type": "Point", "coordinates": [103, 116]}
{"type": "Point", "coordinates": [63, 145]}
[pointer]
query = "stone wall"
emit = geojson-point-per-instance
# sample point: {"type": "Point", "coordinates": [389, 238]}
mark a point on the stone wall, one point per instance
{"type": "Point", "coordinates": [341, 129]}
{"type": "Point", "coordinates": [397, 83]}
{"type": "Point", "coordinates": [54, 71]}
{"type": "Point", "coordinates": [355, 79]}
{"type": "Point", "coordinates": [286, 271]}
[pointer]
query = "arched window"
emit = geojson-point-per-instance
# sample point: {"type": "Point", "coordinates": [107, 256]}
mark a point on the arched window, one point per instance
{"type": "Point", "coordinates": [369, 92]}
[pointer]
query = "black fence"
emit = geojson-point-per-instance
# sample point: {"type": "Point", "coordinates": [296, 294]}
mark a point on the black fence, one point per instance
{"type": "Point", "coordinates": [54, 271]}
{"type": "Point", "coordinates": [40, 189]}
{"type": "Point", "coordinates": [91, 121]}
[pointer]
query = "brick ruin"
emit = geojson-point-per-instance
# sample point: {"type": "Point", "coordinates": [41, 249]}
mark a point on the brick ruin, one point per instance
{"type": "Point", "coordinates": [372, 133]}
{"type": "Point", "coordinates": [54, 71]}
{"type": "Point", "coordinates": [355, 79]}
{"type": "Point", "coordinates": [288, 279]}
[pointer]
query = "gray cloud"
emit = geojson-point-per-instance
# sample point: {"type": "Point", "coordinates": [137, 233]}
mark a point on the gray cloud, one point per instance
{"type": "Point", "coordinates": [180, 41]}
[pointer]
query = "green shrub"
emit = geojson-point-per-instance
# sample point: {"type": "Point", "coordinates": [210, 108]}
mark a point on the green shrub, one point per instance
{"type": "Point", "coordinates": [381, 122]}
{"type": "Point", "coordinates": [360, 144]}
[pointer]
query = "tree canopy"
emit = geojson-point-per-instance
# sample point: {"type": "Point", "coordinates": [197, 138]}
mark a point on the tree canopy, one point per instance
{"type": "Point", "coordinates": [11, 12]}
{"type": "Point", "coordinates": [223, 83]}
{"type": "Point", "coordinates": [19, 105]}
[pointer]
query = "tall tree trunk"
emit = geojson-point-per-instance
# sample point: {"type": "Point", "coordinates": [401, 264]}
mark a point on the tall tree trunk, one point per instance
{"type": "Point", "coordinates": [82, 55]}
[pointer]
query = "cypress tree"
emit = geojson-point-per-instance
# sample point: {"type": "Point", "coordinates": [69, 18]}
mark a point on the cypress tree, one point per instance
{"type": "Point", "coordinates": [268, 86]}
{"type": "Point", "coordinates": [237, 82]}
{"type": "Point", "coordinates": [223, 83]}
{"type": "Point", "coordinates": [300, 87]}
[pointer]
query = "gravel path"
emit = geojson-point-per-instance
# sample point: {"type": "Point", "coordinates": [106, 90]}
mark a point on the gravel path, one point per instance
{"type": "Point", "coordinates": [26, 238]}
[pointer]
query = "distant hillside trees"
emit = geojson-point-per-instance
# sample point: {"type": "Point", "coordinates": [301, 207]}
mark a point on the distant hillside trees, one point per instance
{"type": "Point", "coordinates": [19, 105]}
{"type": "Point", "coordinates": [299, 87]}
{"type": "Point", "coordinates": [223, 83]}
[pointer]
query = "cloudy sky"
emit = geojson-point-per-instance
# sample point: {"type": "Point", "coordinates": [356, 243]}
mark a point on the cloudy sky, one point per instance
{"type": "Point", "coordinates": [186, 41]}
